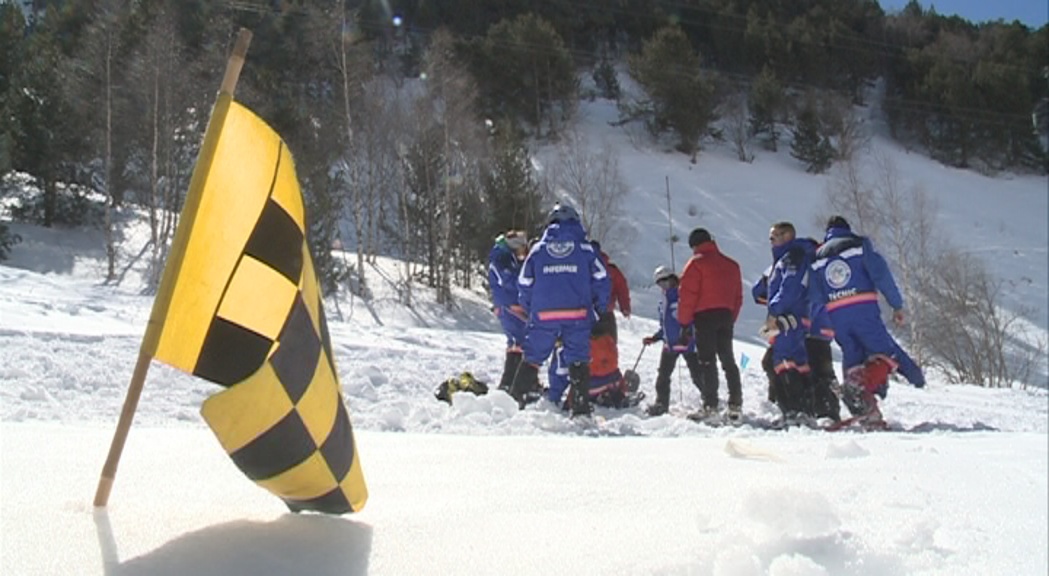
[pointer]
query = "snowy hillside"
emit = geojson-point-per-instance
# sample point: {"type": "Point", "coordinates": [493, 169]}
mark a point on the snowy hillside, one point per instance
{"type": "Point", "coordinates": [482, 488]}
{"type": "Point", "coordinates": [1004, 219]}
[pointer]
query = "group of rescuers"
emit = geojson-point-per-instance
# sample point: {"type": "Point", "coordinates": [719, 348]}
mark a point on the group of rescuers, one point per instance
{"type": "Point", "coordinates": [555, 296]}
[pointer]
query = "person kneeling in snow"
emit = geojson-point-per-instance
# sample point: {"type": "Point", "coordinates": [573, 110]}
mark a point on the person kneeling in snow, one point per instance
{"type": "Point", "coordinates": [609, 387]}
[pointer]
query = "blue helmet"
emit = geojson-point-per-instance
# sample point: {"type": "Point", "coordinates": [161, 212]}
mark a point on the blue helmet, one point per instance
{"type": "Point", "coordinates": [563, 213]}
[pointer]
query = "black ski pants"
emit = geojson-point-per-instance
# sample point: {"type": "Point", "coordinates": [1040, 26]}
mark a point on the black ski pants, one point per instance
{"type": "Point", "coordinates": [713, 331]}
{"type": "Point", "coordinates": [667, 363]}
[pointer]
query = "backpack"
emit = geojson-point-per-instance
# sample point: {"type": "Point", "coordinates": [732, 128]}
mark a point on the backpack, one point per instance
{"type": "Point", "coordinates": [465, 382]}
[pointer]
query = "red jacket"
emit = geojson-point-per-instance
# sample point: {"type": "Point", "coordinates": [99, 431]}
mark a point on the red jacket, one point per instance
{"type": "Point", "coordinates": [710, 281]}
{"type": "Point", "coordinates": [620, 290]}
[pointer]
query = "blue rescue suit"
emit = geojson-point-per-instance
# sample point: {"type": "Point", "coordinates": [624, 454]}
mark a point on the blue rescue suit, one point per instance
{"type": "Point", "coordinates": [788, 298]}
{"type": "Point", "coordinates": [503, 269]}
{"type": "Point", "coordinates": [561, 285]}
{"type": "Point", "coordinates": [846, 277]}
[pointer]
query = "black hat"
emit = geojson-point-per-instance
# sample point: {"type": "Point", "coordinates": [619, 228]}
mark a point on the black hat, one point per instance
{"type": "Point", "coordinates": [698, 236]}
{"type": "Point", "coordinates": [837, 222]}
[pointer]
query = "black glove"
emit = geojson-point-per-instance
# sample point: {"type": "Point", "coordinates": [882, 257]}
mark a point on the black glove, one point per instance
{"type": "Point", "coordinates": [685, 336]}
{"type": "Point", "coordinates": [786, 322]}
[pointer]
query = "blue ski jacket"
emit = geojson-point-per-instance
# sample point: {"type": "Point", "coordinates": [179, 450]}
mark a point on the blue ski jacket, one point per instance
{"type": "Point", "coordinates": [669, 327]}
{"type": "Point", "coordinates": [760, 290]}
{"type": "Point", "coordinates": [848, 272]}
{"type": "Point", "coordinates": [788, 282]}
{"type": "Point", "coordinates": [503, 268]}
{"type": "Point", "coordinates": [563, 277]}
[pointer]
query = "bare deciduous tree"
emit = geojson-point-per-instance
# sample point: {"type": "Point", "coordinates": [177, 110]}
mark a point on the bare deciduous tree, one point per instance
{"type": "Point", "coordinates": [956, 321]}
{"type": "Point", "coordinates": [846, 128]}
{"type": "Point", "coordinates": [96, 75]}
{"type": "Point", "coordinates": [593, 182]}
{"type": "Point", "coordinates": [972, 338]}
{"type": "Point", "coordinates": [737, 125]}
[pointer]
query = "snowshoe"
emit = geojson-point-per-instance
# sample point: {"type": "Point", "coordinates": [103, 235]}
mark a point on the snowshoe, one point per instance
{"type": "Point", "coordinates": [633, 399]}
{"type": "Point", "coordinates": [801, 419]}
{"type": "Point", "coordinates": [871, 421]}
{"type": "Point", "coordinates": [656, 409]}
{"type": "Point", "coordinates": [707, 415]}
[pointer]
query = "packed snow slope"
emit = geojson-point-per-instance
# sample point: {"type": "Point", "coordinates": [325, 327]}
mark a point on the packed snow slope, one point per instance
{"type": "Point", "coordinates": [1003, 219]}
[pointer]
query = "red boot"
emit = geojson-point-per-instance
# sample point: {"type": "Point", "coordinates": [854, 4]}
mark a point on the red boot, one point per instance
{"type": "Point", "coordinates": [876, 372]}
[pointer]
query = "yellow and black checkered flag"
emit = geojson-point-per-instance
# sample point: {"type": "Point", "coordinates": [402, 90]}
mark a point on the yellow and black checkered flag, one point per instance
{"type": "Point", "coordinates": [239, 305]}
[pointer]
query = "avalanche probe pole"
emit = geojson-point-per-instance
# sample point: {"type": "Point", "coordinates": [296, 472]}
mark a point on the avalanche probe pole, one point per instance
{"type": "Point", "coordinates": [670, 226]}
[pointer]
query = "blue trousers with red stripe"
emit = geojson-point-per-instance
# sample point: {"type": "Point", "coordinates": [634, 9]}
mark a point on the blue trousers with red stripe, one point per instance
{"type": "Point", "coordinates": [513, 327]}
{"type": "Point", "coordinates": [789, 347]}
{"type": "Point", "coordinates": [860, 333]}
{"type": "Point", "coordinates": [574, 335]}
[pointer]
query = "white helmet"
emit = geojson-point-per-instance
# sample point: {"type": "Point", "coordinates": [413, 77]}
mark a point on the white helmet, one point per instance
{"type": "Point", "coordinates": [662, 273]}
{"type": "Point", "coordinates": [516, 239]}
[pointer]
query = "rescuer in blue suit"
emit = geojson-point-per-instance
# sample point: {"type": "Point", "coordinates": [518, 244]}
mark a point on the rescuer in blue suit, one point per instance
{"type": "Point", "coordinates": [846, 277]}
{"type": "Point", "coordinates": [562, 286]}
{"type": "Point", "coordinates": [504, 265]}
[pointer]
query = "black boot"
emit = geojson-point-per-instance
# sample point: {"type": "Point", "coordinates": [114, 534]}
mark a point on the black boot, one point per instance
{"type": "Point", "coordinates": [513, 360]}
{"type": "Point", "coordinates": [791, 393]}
{"type": "Point", "coordinates": [827, 404]}
{"type": "Point", "coordinates": [525, 380]}
{"type": "Point", "coordinates": [579, 378]}
{"type": "Point", "coordinates": [708, 384]}
{"type": "Point", "coordinates": [666, 368]}
{"type": "Point", "coordinates": [733, 382]}
{"type": "Point", "coordinates": [770, 373]}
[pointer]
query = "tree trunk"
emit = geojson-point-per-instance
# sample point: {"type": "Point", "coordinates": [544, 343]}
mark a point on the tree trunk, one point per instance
{"type": "Point", "coordinates": [111, 248]}
{"type": "Point", "coordinates": [154, 182]}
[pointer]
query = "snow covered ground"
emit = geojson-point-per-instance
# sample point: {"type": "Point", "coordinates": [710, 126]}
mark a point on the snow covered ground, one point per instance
{"type": "Point", "coordinates": [878, 505]}
{"type": "Point", "coordinates": [482, 488]}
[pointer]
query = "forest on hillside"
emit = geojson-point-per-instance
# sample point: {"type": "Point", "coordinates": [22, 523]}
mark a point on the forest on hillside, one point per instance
{"type": "Point", "coordinates": [411, 120]}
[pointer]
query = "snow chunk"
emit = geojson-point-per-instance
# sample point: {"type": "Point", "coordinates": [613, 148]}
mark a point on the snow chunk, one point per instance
{"type": "Point", "coordinates": [376, 376]}
{"type": "Point", "coordinates": [737, 448]}
{"type": "Point", "coordinates": [789, 513]}
{"type": "Point", "coordinates": [494, 407]}
{"type": "Point", "coordinates": [796, 565]}
{"type": "Point", "coordinates": [848, 449]}
{"type": "Point", "coordinates": [737, 561]}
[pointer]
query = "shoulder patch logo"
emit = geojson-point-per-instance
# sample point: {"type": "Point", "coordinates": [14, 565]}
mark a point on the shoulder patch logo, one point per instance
{"type": "Point", "coordinates": [838, 274]}
{"type": "Point", "coordinates": [560, 249]}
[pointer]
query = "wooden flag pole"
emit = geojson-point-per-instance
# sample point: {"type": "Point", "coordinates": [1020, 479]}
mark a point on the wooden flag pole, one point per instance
{"type": "Point", "coordinates": [138, 377]}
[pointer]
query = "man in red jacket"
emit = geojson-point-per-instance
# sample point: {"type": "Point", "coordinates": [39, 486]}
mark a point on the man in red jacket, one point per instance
{"type": "Point", "coordinates": [710, 297]}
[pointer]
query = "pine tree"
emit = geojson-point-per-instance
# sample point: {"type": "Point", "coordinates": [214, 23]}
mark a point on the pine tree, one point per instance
{"type": "Point", "coordinates": [606, 81]}
{"type": "Point", "coordinates": [12, 30]}
{"type": "Point", "coordinates": [7, 240]}
{"type": "Point", "coordinates": [525, 72]}
{"type": "Point", "coordinates": [45, 136]}
{"type": "Point", "coordinates": [511, 192]}
{"type": "Point", "coordinates": [682, 98]}
{"type": "Point", "coordinates": [810, 145]}
{"type": "Point", "coordinates": [766, 108]}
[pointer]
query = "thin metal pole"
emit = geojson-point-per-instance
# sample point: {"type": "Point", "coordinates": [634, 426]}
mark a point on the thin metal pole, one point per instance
{"type": "Point", "coordinates": [670, 227]}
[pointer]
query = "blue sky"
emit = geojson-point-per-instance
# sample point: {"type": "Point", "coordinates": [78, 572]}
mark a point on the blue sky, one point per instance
{"type": "Point", "coordinates": [1034, 13]}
